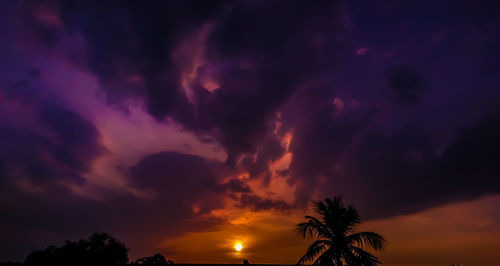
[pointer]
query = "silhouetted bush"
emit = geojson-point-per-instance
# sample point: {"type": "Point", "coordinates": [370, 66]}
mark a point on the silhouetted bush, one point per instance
{"type": "Point", "coordinates": [156, 259]}
{"type": "Point", "coordinates": [100, 248]}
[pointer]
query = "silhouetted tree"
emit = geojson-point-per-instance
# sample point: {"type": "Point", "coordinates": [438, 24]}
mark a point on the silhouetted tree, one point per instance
{"type": "Point", "coordinates": [337, 243]}
{"type": "Point", "coordinates": [100, 248]}
{"type": "Point", "coordinates": [155, 259]}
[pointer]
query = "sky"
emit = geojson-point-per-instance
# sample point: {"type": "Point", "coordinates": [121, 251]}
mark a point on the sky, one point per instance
{"type": "Point", "coordinates": [184, 127]}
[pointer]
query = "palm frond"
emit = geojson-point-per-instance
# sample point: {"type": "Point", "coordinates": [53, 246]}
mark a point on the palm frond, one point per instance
{"type": "Point", "coordinates": [328, 206]}
{"type": "Point", "coordinates": [314, 250]}
{"type": "Point", "coordinates": [328, 258]}
{"type": "Point", "coordinates": [313, 228]}
{"type": "Point", "coordinates": [351, 218]}
{"type": "Point", "coordinates": [370, 239]}
{"type": "Point", "coordinates": [365, 258]}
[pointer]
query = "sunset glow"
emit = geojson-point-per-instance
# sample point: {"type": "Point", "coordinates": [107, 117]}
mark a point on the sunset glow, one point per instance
{"type": "Point", "coordinates": [205, 131]}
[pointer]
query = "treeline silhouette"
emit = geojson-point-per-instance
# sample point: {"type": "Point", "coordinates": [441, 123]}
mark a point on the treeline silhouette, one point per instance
{"type": "Point", "coordinates": [337, 243]}
{"type": "Point", "coordinates": [98, 249]}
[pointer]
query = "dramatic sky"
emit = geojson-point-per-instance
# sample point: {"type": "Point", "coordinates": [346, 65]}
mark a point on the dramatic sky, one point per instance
{"type": "Point", "coordinates": [181, 127]}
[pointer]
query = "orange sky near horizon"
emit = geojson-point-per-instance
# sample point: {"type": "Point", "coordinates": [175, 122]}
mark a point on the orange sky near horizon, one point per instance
{"type": "Point", "coordinates": [463, 233]}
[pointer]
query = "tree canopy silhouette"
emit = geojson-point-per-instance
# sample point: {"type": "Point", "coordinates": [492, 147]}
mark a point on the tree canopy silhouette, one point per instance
{"type": "Point", "coordinates": [156, 259]}
{"type": "Point", "coordinates": [100, 248]}
{"type": "Point", "coordinates": [337, 243]}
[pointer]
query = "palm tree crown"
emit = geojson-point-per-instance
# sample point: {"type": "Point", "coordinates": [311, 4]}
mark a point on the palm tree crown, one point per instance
{"type": "Point", "coordinates": [337, 243]}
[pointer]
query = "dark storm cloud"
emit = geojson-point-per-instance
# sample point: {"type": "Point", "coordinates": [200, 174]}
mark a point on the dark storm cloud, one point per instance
{"type": "Point", "coordinates": [55, 215]}
{"type": "Point", "coordinates": [398, 163]}
{"type": "Point", "coordinates": [419, 177]}
{"type": "Point", "coordinates": [269, 150]}
{"type": "Point", "coordinates": [471, 163]}
{"type": "Point", "coordinates": [407, 84]}
{"type": "Point", "coordinates": [177, 184]}
{"type": "Point", "coordinates": [374, 153]}
{"type": "Point", "coordinates": [76, 137]}
{"type": "Point", "coordinates": [319, 145]}
{"type": "Point", "coordinates": [40, 158]}
{"type": "Point", "coordinates": [235, 185]}
{"type": "Point", "coordinates": [258, 52]}
{"type": "Point", "coordinates": [34, 165]}
{"type": "Point", "coordinates": [44, 148]}
{"type": "Point", "coordinates": [20, 91]}
{"type": "Point", "coordinates": [175, 181]}
{"type": "Point", "coordinates": [171, 174]}
{"type": "Point", "coordinates": [262, 51]}
{"type": "Point", "coordinates": [269, 57]}
{"type": "Point", "coordinates": [128, 40]}
{"type": "Point", "coordinates": [257, 203]}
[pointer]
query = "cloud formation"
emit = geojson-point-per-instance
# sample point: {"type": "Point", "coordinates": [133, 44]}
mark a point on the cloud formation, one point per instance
{"type": "Point", "coordinates": [216, 106]}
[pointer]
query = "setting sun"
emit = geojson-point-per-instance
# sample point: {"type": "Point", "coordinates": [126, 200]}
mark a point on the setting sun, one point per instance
{"type": "Point", "coordinates": [197, 133]}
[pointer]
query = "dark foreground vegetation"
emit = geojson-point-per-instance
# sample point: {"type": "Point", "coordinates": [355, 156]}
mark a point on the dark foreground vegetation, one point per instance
{"type": "Point", "coordinates": [98, 249]}
{"type": "Point", "coordinates": [186, 264]}
{"type": "Point", "coordinates": [336, 243]}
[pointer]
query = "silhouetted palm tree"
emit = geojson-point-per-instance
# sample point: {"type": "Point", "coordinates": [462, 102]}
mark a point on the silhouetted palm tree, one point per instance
{"type": "Point", "coordinates": [337, 243]}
